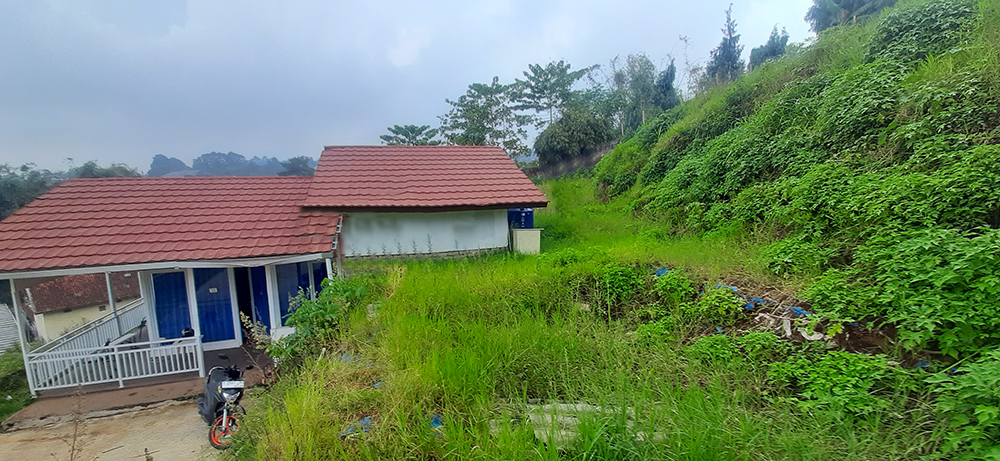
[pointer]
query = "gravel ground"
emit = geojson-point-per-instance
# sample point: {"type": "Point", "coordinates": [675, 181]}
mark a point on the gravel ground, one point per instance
{"type": "Point", "coordinates": [172, 431]}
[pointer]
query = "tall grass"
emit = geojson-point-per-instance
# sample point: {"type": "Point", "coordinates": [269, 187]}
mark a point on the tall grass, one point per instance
{"type": "Point", "coordinates": [479, 341]}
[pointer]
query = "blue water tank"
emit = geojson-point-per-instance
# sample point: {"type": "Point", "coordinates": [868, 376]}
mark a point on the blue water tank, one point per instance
{"type": "Point", "coordinates": [521, 218]}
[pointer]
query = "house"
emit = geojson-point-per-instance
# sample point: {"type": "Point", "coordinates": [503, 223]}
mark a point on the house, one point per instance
{"type": "Point", "coordinates": [61, 304]}
{"type": "Point", "coordinates": [206, 249]}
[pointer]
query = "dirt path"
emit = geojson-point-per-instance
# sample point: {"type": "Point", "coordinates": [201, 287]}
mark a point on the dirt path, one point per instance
{"type": "Point", "coordinates": [173, 431]}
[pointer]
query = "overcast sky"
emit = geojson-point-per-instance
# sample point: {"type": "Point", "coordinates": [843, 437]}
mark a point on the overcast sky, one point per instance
{"type": "Point", "coordinates": [123, 80]}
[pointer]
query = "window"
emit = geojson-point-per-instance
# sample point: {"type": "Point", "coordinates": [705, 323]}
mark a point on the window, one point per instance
{"type": "Point", "coordinates": [291, 279]}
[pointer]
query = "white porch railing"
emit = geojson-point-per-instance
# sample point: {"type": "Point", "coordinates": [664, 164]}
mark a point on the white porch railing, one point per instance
{"type": "Point", "coordinates": [75, 367]}
{"type": "Point", "coordinates": [100, 331]}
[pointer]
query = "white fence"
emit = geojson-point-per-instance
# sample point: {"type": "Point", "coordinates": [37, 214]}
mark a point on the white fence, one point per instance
{"type": "Point", "coordinates": [69, 368]}
{"type": "Point", "coordinates": [100, 331]}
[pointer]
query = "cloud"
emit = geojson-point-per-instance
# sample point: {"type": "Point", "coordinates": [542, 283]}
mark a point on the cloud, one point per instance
{"type": "Point", "coordinates": [121, 81]}
{"type": "Point", "coordinates": [410, 40]}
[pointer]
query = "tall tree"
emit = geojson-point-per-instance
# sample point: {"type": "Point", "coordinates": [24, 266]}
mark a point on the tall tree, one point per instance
{"type": "Point", "coordinates": [297, 166]}
{"type": "Point", "coordinates": [92, 170]}
{"type": "Point", "coordinates": [411, 135]}
{"type": "Point", "coordinates": [665, 95]}
{"type": "Point", "coordinates": [725, 65]}
{"type": "Point", "coordinates": [485, 116]}
{"type": "Point", "coordinates": [773, 49]}
{"type": "Point", "coordinates": [569, 136]}
{"type": "Point", "coordinates": [824, 14]}
{"type": "Point", "coordinates": [162, 165]}
{"type": "Point", "coordinates": [546, 89]}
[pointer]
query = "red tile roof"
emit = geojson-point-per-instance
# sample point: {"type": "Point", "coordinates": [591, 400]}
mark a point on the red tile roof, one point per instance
{"type": "Point", "coordinates": [75, 291]}
{"type": "Point", "coordinates": [420, 178]}
{"type": "Point", "coordinates": [111, 221]}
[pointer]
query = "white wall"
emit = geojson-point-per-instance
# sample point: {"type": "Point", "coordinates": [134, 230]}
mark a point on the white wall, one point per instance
{"type": "Point", "coordinates": [369, 234]}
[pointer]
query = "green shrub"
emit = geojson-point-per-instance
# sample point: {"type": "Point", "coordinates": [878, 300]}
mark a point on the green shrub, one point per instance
{"type": "Point", "coordinates": [714, 348]}
{"type": "Point", "coordinates": [718, 306]}
{"type": "Point", "coordinates": [674, 288]}
{"type": "Point", "coordinates": [656, 331]}
{"type": "Point", "coordinates": [844, 382]}
{"type": "Point", "coordinates": [619, 284]}
{"type": "Point", "coordinates": [912, 33]}
{"type": "Point", "coordinates": [969, 401]}
{"type": "Point", "coordinates": [762, 345]}
{"type": "Point", "coordinates": [795, 256]}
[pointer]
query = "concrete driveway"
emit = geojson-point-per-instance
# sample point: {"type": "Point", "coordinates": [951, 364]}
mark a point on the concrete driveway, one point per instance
{"type": "Point", "coordinates": [169, 431]}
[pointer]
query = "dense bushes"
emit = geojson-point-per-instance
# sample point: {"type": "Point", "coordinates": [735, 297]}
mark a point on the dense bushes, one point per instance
{"type": "Point", "coordinates": [570, 135]}
{"type": "Point", "coordinates": [869, 160]}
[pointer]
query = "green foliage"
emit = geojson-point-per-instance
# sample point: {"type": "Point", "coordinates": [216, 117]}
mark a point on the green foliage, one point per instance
{"type": "Point", "coordinates": [162, 165]}
{"type": "Point", "coordinates": [754, 346]}
{"type": "Point", "coordinates": [762, 346]}
{"type": "Point", "coordinates": [92, 170]}
{"type": "Point", "coordinates": [844, 382]}
{"type": "Point", "coordinates": [297, 166]}
{"type": "Point", "coordinates": [822, 15]}
{"type": "Point", "coordinates": [795, 256]}
{"type": "Point", "coordinates": [485, 116]}
{"type": "Point", "coordinates": [969, 401]}
{"type": "Point", "coordinates": [725, 65]}
{"type": "Point", "coordinates": [20, 186]}
{"type": "Point", "coordinates": [13, 382]}
{"type": "Point", "coordinates": [910, 34]}
{"type": "Point", "coordinates": [546, 89]}
{"type": "Point", "coordinates": [718, 306]}
{"type": "Point", "coordinates": [232, 164]}
{"type": "Point", "coordinates": [569, 136]}
{"type": "Point", "coordinates": [674, 288]}
{"type": "Point", "coordinates": [410, 135]}
{"type": "Point", "coordinates": [320, 323]}
{"type": "Point", "coordinates": [940, 287]}
{"type": "Point", "coordinates": [773, 49]}
{"type": "Point", "coordinates": [714, 348]}
{"type": "Point", "coordinates": [618, 284]}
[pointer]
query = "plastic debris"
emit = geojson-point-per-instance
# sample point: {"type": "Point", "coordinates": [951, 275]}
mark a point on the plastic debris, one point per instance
{"type": "Point", "coordinates": [718, 328]}
{"type": "Point", "coordinates": [364, 425]}
{"type": "Point", "coordinates": [748, 307]}
{"type": "Point", "coordinates": [345, 358]}
{"type": "Point", "coordinates": [799, 310]}
{"type": "Point", "coordinates": [727, 286]}
{"type": "Point", "coordinates": [377, 384]}
{"type": "Point", "coordinates": [436, 421]}
{"type": "Point", "coordinates": [662, 271]}
{"type": "Point", "coordinates": [786, 324]}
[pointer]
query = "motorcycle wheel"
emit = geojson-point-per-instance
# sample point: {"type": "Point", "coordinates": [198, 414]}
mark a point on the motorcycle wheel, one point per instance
{"type": "Point", "coordinates": [220, 437]}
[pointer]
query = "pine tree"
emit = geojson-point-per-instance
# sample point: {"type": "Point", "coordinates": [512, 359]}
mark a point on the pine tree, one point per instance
{"type": "Point", "coordinates": [725, 65]}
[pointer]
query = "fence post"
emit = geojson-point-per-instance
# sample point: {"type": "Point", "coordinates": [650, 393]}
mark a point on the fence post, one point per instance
{"type": "Point", "coordinates": [111, 302]}
{"type": "Point", "coordinates": [118, 366]}
{"type": "Point", "coordinates": [200, 354]}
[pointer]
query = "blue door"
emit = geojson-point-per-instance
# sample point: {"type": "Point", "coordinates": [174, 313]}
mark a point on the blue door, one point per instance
{"type": "Point", "coordinates": [171, 304]}
{"type": "Point", "coordinates": [261, 303]}
{"type": "Point", "coordinates": [215, 307]}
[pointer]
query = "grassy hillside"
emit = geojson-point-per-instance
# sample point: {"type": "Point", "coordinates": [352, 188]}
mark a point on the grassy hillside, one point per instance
{"type": "Point", "coordinates": [870, 158]}
{"type": "Point", "coordinates": [851, 188]}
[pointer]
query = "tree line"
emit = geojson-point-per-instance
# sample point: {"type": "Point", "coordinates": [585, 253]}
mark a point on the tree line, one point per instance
{"type": "Point", "coordinates": [21, 185]}
{"type": "Point", "coordinates": [576, 109]}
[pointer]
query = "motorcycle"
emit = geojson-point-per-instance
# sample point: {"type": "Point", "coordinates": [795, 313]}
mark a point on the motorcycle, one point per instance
{"type": "Point", "coordinates": [221, 403]}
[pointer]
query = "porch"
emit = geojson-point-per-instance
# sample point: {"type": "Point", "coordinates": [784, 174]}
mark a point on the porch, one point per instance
{"type": "Point", "coordinates": [65, 402]}
{"type": "Point", "coordinates": [175, 329]}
